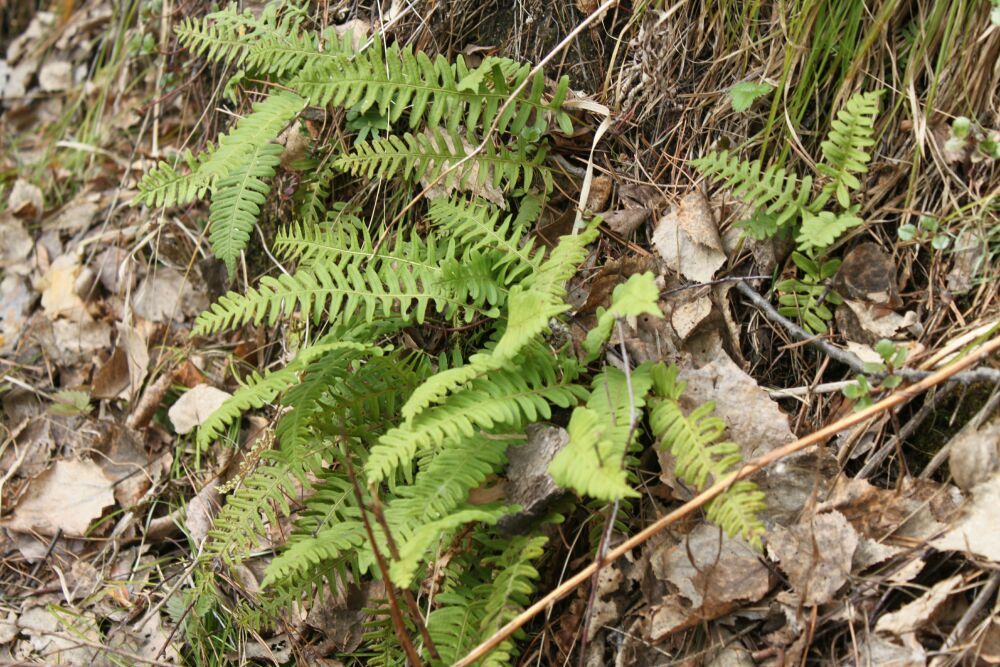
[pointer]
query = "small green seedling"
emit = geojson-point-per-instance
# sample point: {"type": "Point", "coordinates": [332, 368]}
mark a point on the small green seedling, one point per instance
{"type": "Point", "coordinates": [926, 230]}
{"type": "Point", "coordinates": [893, 357]}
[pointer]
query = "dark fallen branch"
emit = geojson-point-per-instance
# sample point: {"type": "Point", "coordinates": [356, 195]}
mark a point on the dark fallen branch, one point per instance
{"type": "Point", "coordinates": [983, 374]}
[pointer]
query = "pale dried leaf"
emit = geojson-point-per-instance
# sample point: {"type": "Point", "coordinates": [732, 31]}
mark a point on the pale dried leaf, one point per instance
{"type": "Point", "coordinates": [874, 650]}
{"type": "Point", "coordinates": [195, 406]}
{"type": "Point", "coordinates": [975, 454]}
{"type": "Point", "coordinates": [687, 238]}
{"type": "Point", "coordinates": [66, 497]}
{"type": "Point", "coordinates": [816, 555]}
{"type": "Point", "coordinates": [25, 200]}
{"type": "Point", "coordinates": [686, 316]}
{"type": "Point", "coordinates": [166, 294]}
{"type": "Point", "coordinates": [15, 242]}
{"type": "Point", "coordinates": [61, 286]}
{"type": "Point", "coordinates": [201, 512]}
{"type": "Point", "coordinates": [975, 532]}
{"type": "Point", "coordinates": [910, 618]}
{"type": "Point", "coordinates": [55, 76]}
{"type": "Point", "coordinates": [712, 572]}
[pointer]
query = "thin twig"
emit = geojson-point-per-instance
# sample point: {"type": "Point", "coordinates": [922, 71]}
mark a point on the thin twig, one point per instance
{"type": "Point", "coordinates": [896, 398]}
{"type": "Point", "coordinates": [848, 359]}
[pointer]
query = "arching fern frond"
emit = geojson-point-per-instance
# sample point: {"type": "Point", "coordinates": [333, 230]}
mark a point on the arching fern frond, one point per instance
{"type": "Point", "coordinates": [508, 398]}
{"type": "Point", "coordinates": [429, 154]}
{"type": "Point", "coordinates": [774, 190]}
{"type": "Point", "coordinates": [693, 439]}
{"type": "Point", "coordinates": [434, 91]}
{"type": "Point", "coordinates": [265, 122]}
{"type": "Point", "coordinates": [164, 185]}
{"type": "Point", "coordinates": [476, 224]}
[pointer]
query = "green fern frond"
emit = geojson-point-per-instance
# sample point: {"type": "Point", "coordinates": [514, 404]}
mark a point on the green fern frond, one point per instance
{"type": "Point", "coordinates": [845, 151]}
{"type": "Point", "coordinates": [236, 202]}
{"type": "Point", "coordinates": [411, 553]}
{"type": "Point", "coordinates": [220, 36]}
{"type": "Point", "coordinates": [701, 458]}
{"type": "Point", "coordinates": [820, 230]}
{"type": "Point", "coordinates": [475, 224]}
{"type": "Point", "coordinates": [164, 185]}
{"type": "Point", "coordinates": [285, 51]}
{"type": "Point", "coordinates": [638, 296]}
{"type": "Point", "coordinates": [435, 91]}
{"type": "Point", "coordinates": [508, 398]}
{"type": "Point", "coordinates": [593, 463]}
{"type": "Point", "coordinates": [773, 189]}
{"type": "Point", "coordinates": [429, 154]}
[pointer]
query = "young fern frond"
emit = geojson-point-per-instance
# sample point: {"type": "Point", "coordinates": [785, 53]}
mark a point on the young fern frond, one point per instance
{"type": "Point", "coordinates": [236, 203]}
{"type": "Point", "coordinates": [429, 154]}
{"type": "Point", "coordinates": [819, 231]}
{"type": "Point", "coordinates": [485, 598]}
{"type": "Point", "coordinates": [221, 36]}
{"type": "Point", "coordinates": [693, 439]}
{"type": "Point", "coordinates": [403, 283]}
{"type": "Point", "coordinates": [594, 462]}
{"type": "Point", "coordinates": [773, 189]}
{"type": "Point", "coordinates": [313, 194]}
{"type": "Point", "coordinates": [845, 151]}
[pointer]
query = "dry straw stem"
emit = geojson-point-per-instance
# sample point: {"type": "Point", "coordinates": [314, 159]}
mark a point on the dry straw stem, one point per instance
{"type": "Point", "coordinates": [900, 396]}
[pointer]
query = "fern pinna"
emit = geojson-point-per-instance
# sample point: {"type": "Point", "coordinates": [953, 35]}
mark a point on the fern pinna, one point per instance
{"type": "Point", "coordinates": [421, 336]}
{"type": "Point", "coordinates": [781, 201]}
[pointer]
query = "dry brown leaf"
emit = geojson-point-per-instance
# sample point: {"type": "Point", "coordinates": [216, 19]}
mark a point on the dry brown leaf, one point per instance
{"type": "Point", "coordinates": [126, 369]}
{"type": "Point", "coordinates": [712, 572]}
{"type": "Point", "coordinates": [626, 221]}
{"type": "Point", "coordinates": [25, 200]}
{"type": "Point", "coordinates": [754, 421]}
{"type": "Point", "coordinates": [816, 554]}
{"type": "Point", "coordinates": [195, 406]}
{"type": "Point", "coordinates": [16, 299]}
{"type": "Point", "coordinates": [975, 531]}
{"type": "Point", "coordinates": [55, 76]}
{"type": "Point", "coordinates": [600, 193]}
{"type": "Point", "coordinates": [968, 257]}
{"type": "Point", "coordinates": [686, 317]}
{"type": "Point", "coordinates": [974, 454]}
{"type": "Point", "coordinates": [52, 632]}
{"type": "Point", "coordinates": [201, 511]}
{"type": "Point", "coordinates": [868, 274]}
{"type": "Point", "coordinates": [875, 322]}
{"type": "Point", "coordinates": [66, 497]}
{"type": "Point", "coordinates": [68, 342]}
{"type": "Point", "coordinates": [906, 621]}
{"type": "Point", "coordinates": [15, 242]}
{"type": "Point", "coordinates": [75, 216]}
{"type": "Point", "coordinates": [61, 286]}
{"type": "Point", "coordinates": [166, 294]}
{"type": "Point", "coordinates": [874, 650]}
{"type": "Point", "coordinates": [687, 238]}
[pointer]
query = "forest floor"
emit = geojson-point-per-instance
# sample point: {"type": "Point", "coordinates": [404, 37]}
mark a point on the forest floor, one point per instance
{"type": "Point", "coordinates": [883, 538]}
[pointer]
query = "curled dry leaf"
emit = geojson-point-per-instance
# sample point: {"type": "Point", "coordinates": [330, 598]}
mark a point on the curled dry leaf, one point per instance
{"type": "Point", "coordinates": [25, 200]}
{"type": "Point", "coordinates": [15, 242]}
{"type": "Point", "coordinates": [66, 497]}
{"type": "Point", "coordinates": [626, 221]}
{"type": "Point", "coordinates": [687, 238]}
{"type": "Point", "coordinates": [816, 555]}
{"type": "Point", "coordinates": [195, 406]}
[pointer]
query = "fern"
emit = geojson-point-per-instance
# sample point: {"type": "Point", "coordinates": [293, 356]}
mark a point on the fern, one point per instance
{"type": "Point", "coordinates": [429, 155]}
{"type": "Point", "coordinates": [845, 150]}
{"type": "Point", "coordinates": [236, 203]}
{"type": "Point", "coordinates": [163, 185]}
{"type": "Point", "coordinates": [434, 91]}
{"type": "Point", "coordinates": [701, 459]}
{"type": "Point", "coordinates": [638, 296]}
{"type": "Point", "coordinates": [772, 190]}
{"type": "Point", "coordinates": [600, 435]}
{"type": "Point", "coordinates": [507, 398]}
